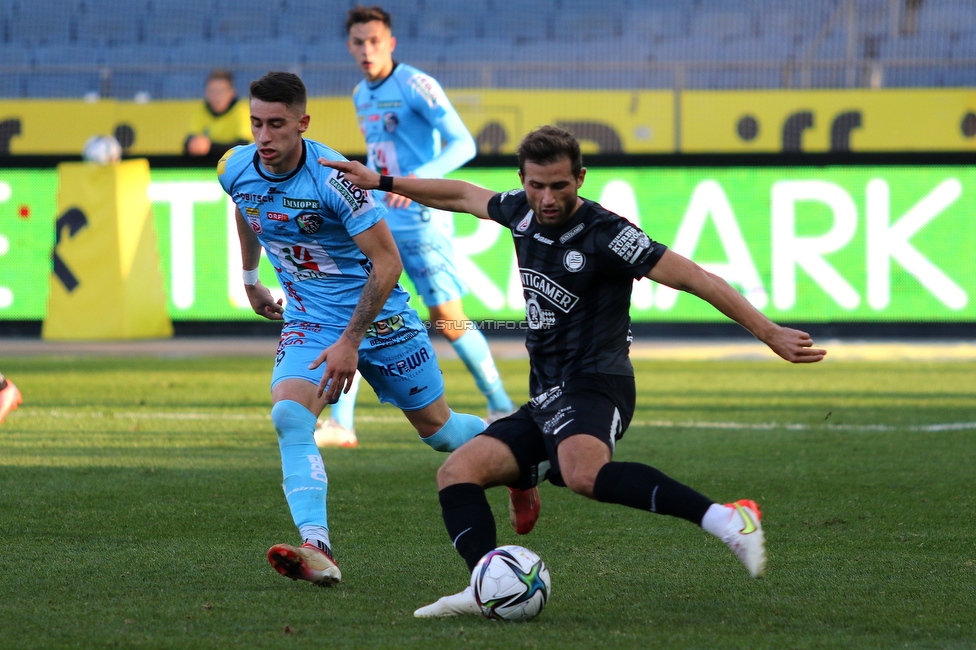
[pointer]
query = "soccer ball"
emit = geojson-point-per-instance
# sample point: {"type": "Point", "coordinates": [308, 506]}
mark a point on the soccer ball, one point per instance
{"type": "Point", "coordinates": [511, 583]}
{"type": "Point", "coordinates": [102, 149]}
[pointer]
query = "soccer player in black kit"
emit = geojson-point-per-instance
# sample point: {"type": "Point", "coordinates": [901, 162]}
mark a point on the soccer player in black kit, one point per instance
{"type": "Point", "coordinates": [578, 262]}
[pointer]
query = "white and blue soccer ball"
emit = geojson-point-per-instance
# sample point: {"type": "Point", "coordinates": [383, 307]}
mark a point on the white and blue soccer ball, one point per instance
{"type": "Point", "coordinates": [511, 583]}
{"type": "Point", "coordinates": [102, 149]}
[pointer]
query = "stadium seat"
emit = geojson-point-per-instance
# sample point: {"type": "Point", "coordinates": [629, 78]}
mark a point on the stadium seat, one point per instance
{"type": "Point", "coordinates": [448, 26]}
{"type": "Point", "coordinates": [305, 21]}
{"type": "Point", "coordinates": [182, 85]}
{"type": "Point", "coordinates": [777, 42]}
{"type": "Point", "coordinates": [173, 23]}
{"type": "Point", "coordinates": [64, 85]}
{"type": "Point", "coordinates": [13, 86]}
{"type": "Point", "coordinates": [237, 20]}
{"type": "Point", "coordinates": [531, 24]}
{"type": "Point", "coordinates": [656, 25]}
{"type": "Point", "coordinates": [588, 26]}
{"type": "Point", "coordinates": [110, 22]}
{"type": "Point", "coordinates": [34, 23]}
{"type": "Point", "coordinates": [947, 17]}
{"type": "Point", "coordinates": [896, 76]}
{"type": "Point", "coordinates": [126, 85]}
{"type": "Point", "coordinates": [708, 23]}
{"type": "Point", "coordinates": [965, 47]}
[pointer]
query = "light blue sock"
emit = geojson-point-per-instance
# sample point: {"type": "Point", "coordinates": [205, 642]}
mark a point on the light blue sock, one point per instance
{"type": "Point", "coordinates": [344, 410]}
{"type": "Point", "coordinates": [305, 482]}
{"type": "Point", "coordinates": [458, 429]}
{"type": "Point", "coordinates": [473, 349]}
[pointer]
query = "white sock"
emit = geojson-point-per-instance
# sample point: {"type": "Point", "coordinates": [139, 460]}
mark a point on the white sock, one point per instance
{"type": "Point", "coordinates": [716, 519]}
{"type": "Point", "coordinates": [315, 534]}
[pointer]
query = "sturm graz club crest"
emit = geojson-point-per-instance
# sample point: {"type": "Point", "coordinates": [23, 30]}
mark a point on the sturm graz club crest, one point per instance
{"type": "Point", "coordinates": [574, 261]}
{"type": "Point", "coordinates": [309, 222]}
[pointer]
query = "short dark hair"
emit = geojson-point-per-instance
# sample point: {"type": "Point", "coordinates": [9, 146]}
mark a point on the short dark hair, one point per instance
{"type": "Point", "coordinates": [280, 87]}
{"type": "Point", "coordinates": [361, 14]}
{"type": "Point", "coordinates": [222, 74]}
{"type": "Point", "coordinates": [549, 144]}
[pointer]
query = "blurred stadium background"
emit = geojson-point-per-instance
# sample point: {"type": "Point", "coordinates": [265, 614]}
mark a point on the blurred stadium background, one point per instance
{"type": "Point", "coordinates": [685, 109]}
{"type": "Point", "coordinates": [160, 49]}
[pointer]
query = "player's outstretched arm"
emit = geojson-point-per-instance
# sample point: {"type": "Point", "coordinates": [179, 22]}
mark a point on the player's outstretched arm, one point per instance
{"type": "Point", "coordinates": [681, 273]}
{"type": "Point", "coordinates": [262, 302]}
{"type": "Point", "coordinates": [437, 193]}
{"type": "Point", "coordinates": [342, 356]}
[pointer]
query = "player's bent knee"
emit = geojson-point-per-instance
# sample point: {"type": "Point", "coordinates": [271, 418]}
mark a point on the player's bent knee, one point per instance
{"type": "Point", "coordinates": [579, 480]}
{"type": "Point", "coordinates": [471, 463]}
{"type": "Point", "coordinates": [288, 416]}
{"type": "Point", "coordinates": [456, 469]}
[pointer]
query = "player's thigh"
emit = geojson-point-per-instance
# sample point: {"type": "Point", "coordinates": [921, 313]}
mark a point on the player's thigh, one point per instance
{"type": "Point", "coordinates": [430, 419]}
{"type": "Point", "coordinates": [483, 460]}
{"type": "Point", "coordinates": [300, 344]}
{"type": "Point", "coordinates": [593, 405]}
{"type": "Point", "coordinates": [399, 363]}
{"type": "Point", "coordinates": [581, 457]}
{"type": "Point", "coordinates": [428, 259]}
{"type": "Point", "coordinates": [301, 391]}
{"type": "Point", "coordinates": [523, 438]}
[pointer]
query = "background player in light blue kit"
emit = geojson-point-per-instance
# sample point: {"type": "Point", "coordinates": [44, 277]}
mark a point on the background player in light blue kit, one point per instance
{"type": "Point", "coordinates": [411, 129]}
{"type": "Point", "coordinates": [339, 267]}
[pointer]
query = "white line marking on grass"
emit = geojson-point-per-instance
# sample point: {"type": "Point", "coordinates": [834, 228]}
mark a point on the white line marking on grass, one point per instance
{"type": "Point", "coordinates": [654, 424]}
{"type": "Point", "coordinates": [176, 415]}
{"type": "Point", "coordinates": [768, 426]}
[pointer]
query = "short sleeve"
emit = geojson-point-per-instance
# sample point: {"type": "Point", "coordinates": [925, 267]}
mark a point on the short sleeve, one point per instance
{"type": "Point", "coordinates": [224, 177]}
{"type": "Point", "coordinates": [356, 207]}
{"type": "Point", "coordinates": [427, 98]}
{"type": "Point", "coordinates": [626, 249]}
{"type": "Point", "coordinates": [508, 208]}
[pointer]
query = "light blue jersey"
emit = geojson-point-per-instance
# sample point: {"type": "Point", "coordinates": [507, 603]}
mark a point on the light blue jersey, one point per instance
{"type": "Point", "coordinates": [405, 119]}
{"type": "Point", "coordinates": [305, 220]}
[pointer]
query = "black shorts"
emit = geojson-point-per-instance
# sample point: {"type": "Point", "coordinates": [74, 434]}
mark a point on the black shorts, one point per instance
{"type": "Point", "coordinates": [596, 405]}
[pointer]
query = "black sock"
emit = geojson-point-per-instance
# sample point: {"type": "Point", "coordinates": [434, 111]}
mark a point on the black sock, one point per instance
{"type": "Point", "coordinates": [469, 521]}
{"type": "Point", "coordinates": [645, 488]}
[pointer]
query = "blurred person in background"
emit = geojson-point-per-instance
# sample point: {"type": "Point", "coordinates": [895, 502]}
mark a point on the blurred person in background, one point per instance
{"type": "Point", "coordinates": [411, 129]}
{"type": "Point", "coordinates": [9, 397]}
{"type": "Point", "coordinates": [221, 121]}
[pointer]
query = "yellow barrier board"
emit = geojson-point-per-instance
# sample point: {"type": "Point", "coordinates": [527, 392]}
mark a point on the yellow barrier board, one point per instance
{"type": "Point", "coordinates": [605, 121]}
{"type": "Point", "coordinates": [106, 281]}
{"type": "Point", "coordinates": [828, 120]}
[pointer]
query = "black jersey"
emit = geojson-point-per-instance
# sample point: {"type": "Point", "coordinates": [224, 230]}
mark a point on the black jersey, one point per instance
{"type": "Point", "coordinates": [576, 279]}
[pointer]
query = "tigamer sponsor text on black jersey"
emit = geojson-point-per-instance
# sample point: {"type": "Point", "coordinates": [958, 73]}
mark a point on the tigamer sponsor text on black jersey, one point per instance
{"type": "Point", "coordinates": [577, 280]}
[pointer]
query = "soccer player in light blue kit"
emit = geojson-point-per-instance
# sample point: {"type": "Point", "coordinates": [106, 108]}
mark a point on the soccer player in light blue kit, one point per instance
{"type": "Point", "coordinates": [339, 267]}
{"type": "Point", "coordinates": [411, 129]}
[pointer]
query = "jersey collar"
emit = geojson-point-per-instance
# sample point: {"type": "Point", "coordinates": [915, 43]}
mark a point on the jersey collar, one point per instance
{"type": "Point", "coordinates": [383, 80]}
{"type": "Point", "coordinates": [230, 107]}
{"type": "Point", "coordinates": [578, 217]}
{"type": "Point", "coordinates": [279, 179]}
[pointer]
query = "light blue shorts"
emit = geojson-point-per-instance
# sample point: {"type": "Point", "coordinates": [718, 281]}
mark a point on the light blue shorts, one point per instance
{"type": "Point", "coordinates": [428, 259]}
{"type": "Point", "coordinates": [396, 358]}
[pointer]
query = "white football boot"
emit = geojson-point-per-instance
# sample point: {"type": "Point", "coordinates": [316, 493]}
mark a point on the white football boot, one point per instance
{"type": "Point", "coordinates": [306, 562]}
{"type": "Point", "coordinates": [333, 434]}
{"type": "Point", "coordinates": [454, 605]}
{"type": "Point", "coordinates": [744, 535]}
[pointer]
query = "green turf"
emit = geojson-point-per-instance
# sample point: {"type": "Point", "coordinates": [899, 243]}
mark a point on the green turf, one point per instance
{"type": "Point", "coordinates": [139, 497]}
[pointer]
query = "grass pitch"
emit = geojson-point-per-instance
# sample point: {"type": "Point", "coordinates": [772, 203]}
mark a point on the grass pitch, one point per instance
{"type": "Point", "coordinates": [139, 497]}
